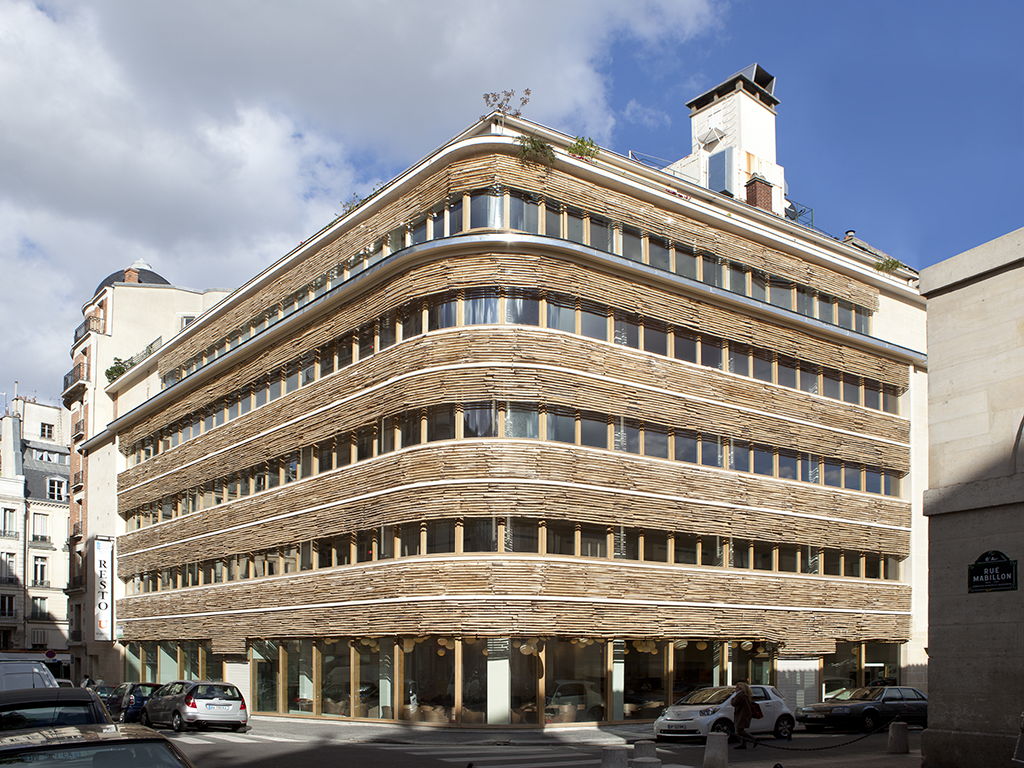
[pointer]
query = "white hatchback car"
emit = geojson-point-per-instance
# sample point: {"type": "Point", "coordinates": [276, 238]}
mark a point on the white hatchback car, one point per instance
{"type": "Point", "coordinates": [709, 710]}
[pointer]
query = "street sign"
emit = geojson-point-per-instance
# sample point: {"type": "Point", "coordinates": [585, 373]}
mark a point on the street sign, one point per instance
{"type": "Point", "coordinates": [992, 572]}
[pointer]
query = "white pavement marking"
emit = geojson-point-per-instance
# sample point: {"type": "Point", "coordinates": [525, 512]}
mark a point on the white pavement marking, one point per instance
{"type": "Point", "coordinates": [269, 738]}
{"type": "Point", "coordinates": [190, 739]}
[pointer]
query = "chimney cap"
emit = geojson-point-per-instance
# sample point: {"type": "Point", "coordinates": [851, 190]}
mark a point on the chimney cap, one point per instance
{"type": "Point", "coordinates": [850, 233]}
{"type": "Point", "coordinates": [754, 80]}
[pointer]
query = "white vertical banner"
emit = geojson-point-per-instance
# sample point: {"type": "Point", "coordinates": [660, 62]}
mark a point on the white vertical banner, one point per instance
{"type": "Point", "coordinates": [102, 588]}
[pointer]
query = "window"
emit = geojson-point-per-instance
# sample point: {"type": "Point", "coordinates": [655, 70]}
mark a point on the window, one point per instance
{"type": "Point", "coordinates": [522, 420]}
{"type": "Point", "coordinates": [524, 214]}
{"type": "Point", "coordinates": [39, 576]}
{"type": "Point", "coordinates": [561, 312]}
{"type": "Point", "coordinates": [40, 527]}
{"type": "Point", "coordinates": [46, 431]}
{"type": "Point", "coordinates": [10, 523]}
{"type": "Point", "coordinates": [479, 420]}
{"type": "Point", "coordinates": [481, 306]}
{"type": "Point", "coordinates": [7, 606]}
{"type": "Point", "coordinates": [657, 253]}
{"type": "Point", "coordinates": [522, 307]}
{"type": "Point", "coordinates": [39, 608]}
{"type": "Point", "coordinates": [56, 489]}
{"type": "Point", "coordinates": [8, 571]}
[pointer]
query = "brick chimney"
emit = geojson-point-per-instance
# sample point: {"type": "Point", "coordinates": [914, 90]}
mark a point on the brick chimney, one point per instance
{"type": "Point", "coordinates": [131, 275]}
{"type": "Point", "coordinates": [759, 192]}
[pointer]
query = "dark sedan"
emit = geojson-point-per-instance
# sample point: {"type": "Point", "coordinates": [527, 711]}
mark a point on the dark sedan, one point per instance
{"type": "Point", "coordinates": [84, 746]}
{"type": "Point", "coordinates": [49, 707]}
{"type": "Point", "coordinates": [867, 709]}
{"type": "Point", "coordinates": [125, 703]}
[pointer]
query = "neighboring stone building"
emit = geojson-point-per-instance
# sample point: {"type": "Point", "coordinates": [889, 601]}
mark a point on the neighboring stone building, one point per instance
{"type": "Point", "coordinates": [129, 316]}
{"type": "Point", "coordinates": [34, 459]}
{"type": "Point", "coordinates": [975, 504]}
{"type": "Point", "coordinates": [514, 430]}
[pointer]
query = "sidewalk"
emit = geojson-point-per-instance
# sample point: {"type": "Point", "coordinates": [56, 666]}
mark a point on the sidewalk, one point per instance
{"type": "Point", "coordinates": [606, 735]}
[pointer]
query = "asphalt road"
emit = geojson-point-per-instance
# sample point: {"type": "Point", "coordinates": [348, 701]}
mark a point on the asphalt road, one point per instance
{"type": "Point", "coordinates": [291, 744]}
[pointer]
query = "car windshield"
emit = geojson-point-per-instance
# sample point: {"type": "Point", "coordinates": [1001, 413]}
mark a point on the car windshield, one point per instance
{"type": "Point", "coordinates": [152, 754]}
{"type": "Point", "coordinates": [227, 692]}
{"type": "Point", "coordinates": [865, 694]}
{"type": "Point", "coordinates": [842, 694]}
{"type": "Point", "coordinates": [707, 696]}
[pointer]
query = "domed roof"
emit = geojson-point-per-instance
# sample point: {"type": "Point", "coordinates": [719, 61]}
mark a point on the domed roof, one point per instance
{"type": "Point", "coordinates": [146, 275]}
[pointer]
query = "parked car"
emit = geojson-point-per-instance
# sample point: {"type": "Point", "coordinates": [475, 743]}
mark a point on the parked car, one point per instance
{"type": "Point", "coordinates": [196, 702]}
{"type": "Point", "coordinates": [126, 701]}
{"type": "Point", "coordinates": [867, 709]}
{"type": "Point", "coordinates": [710, 710]}
{"type": "Point", "coordinates": [50, 707]}
{"type": "Point", "coordinates": [17, 675]}
{"type": "Point", "coordinates": [88, 745]}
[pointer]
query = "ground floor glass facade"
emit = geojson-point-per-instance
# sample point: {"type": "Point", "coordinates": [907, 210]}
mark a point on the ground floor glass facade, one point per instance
{"type": "Point", "coordinates": [476, 681]}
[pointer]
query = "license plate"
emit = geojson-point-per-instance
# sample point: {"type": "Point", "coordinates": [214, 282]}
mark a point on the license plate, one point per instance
{"type": "Point", "coordinates": [218, 706]}
{"type": "Point", "coordinates": [672, 727]}
{"type": "Point", "coordinates": [814, 717]}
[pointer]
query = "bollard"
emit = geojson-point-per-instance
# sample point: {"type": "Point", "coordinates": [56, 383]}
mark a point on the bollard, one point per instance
{"type": "Point", "coordinates": [645, 748]}
{"type": "Point", "coordinates": [645, 762]}
{"type": "Point", "coordinates": [716, 751]}
{"type": "Point", "coordinates": [615, 757]}
{"type": "Point", "coordinates": [899, 741]}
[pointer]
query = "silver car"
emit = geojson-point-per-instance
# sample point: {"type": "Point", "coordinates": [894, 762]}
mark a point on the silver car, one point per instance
{"type": "Point", "coordinates": [196, 702]}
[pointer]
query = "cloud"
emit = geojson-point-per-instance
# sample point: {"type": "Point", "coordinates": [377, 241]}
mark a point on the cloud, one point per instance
{"type": "Point", "coordinates": [646, 116]}
{"type": "Point", "coordinates": [210, 138]}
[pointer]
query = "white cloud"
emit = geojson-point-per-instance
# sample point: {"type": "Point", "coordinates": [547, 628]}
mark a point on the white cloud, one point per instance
{"type": "Point", "coordinates": [646, 116]}
{"type": "Point", "coordinates": [210, 138]}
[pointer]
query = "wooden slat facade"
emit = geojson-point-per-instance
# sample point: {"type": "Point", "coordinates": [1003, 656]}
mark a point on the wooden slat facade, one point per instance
{"type": "Point", "coordinates": [442, 596]}
{"type": "Point", "coordinates": [503, 170]}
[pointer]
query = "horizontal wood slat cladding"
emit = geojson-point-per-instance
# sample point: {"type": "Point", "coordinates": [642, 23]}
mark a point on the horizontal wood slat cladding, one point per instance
{"type": "Point", "coordinates": [440, 595]}
{"type": "Point", "coordinates": [515, 345]}
{"type": "Point", "coordinates": [532, 271]}
{"type": "Point", "coordinates": [317, 411]}
{"type": "Point", "coordinates": [501, 169]}
{"type": "Point", "coordinates": [472, 473]}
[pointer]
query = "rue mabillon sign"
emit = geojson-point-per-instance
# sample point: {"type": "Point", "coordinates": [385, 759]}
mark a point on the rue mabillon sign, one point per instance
{"type": "Point", "coordinates": [992, 572]}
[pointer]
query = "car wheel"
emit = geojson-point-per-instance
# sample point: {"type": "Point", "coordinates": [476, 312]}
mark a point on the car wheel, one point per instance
{"type": "Point", "coordinates": [869, 721]}
{"type": "Point", "coordinates": [145, 719]}
{"type": "Point", "coordinates": [177, 723]}
{"type": "Point", "coordinates": [120, 717]}
{"type": "Point", "coordinates": [722, 726]}
{"type": "Point", "coordinates": [784, 728]}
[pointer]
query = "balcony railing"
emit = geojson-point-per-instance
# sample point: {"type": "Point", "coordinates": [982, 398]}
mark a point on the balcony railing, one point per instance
{"type": "Point", "coordinates": [41, 615]}
{"type": "Point", "coordinates": [9, 535]}
{"type": "Point", "coordinates": [91, 324]}
{"type": "Point", "coordinates": [8, 613]}
{"type": "Point", "coordinates": [76, 530]}
{"type": "Point", "coordinates": [8, 579]}
{"type": "Point", "coordinates": [78, 430]}
{"type": "Point", "coordinates": [75, 635]}
{"type": "Point", "coordinates": [76, 582]}
{"type": "Point", "coordinates": [77, 374]}
{"type": "Point", "coordinates": [40, 538]}
{"type": "Point", "coordinates": [76, 480]}
{"type": "Point", "coordinates": [40, 582]}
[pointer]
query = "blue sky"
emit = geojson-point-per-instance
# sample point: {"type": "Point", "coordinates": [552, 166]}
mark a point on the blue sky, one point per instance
{"type": "Point", "coordinates": [209, 138]}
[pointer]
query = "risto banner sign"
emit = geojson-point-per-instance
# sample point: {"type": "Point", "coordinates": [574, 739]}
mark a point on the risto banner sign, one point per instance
{"type": "Point", "coordinates": [102, 592]}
